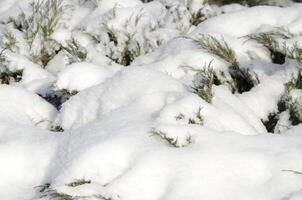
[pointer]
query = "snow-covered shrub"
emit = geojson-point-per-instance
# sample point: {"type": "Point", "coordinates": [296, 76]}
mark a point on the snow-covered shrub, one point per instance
{"type": "Point", "coordinates": [242, 79]}
{"type": "Point", "coordinates": [124, 34]}
{"type": "Point", "coordinates": [75, 50]}
{"type": "Point", "coordinates": [42, 23]}
{"type": "Point", "coordinates": [37, 26]}
{"type": "Point", "coordinates": [289, 106]}
{"type": "Point", "coordinates": [182, 15]}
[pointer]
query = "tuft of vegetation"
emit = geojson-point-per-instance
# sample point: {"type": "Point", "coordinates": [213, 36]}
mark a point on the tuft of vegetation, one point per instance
{"type": "Point", "coordinates": [205, 79]}
{"type": "Point", "coordinates": [170, 140]}
{"type": "Point", "coordinates": [288, 103]}
{"type": "Point", "coordinates": [243, 80]}
{"type": "Point", "coordinates": [75, 50]}
{"type": "Point", "coordinates": [295, 82]}
{"type": "Point", "coordinates": [271, 122]}
{"type": "Point", "coordinates": [217, 47]}
{"type": "Point", "coordinates": [279, 51]}
{"type": "Point", "coordinates": [37, 28]}
{"type": "Point", "coordinates": [198, 119]}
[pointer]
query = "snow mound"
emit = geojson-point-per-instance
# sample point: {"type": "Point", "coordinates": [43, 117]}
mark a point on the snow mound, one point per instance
{"type": "Point", "coordinates": [31, 110]}
{"type": "Point", "coordinates": [79, 76]}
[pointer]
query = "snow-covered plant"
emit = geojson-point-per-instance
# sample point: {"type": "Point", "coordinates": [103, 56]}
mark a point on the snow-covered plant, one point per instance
{"type": "Point", "coordinates": [9, 42]}
{"type": "Point", "coordinates": [295, 110]}
{"type": "Point", "coordinates": [295, 82]}
{"type": "Point", "coordinates": [128, 41]}
{"type": "Point", "coordinates": [204, 81]}
{"type": "Point", "coordinates": [8, 76]}
{"type": "Point", "coordinates": [182, 15]}
{"type": "Point", "coordinates": [197, 119]}
{"type": "Point", "coordinates": [279, 50]}
{"type": "Point", "coordinates": [217, 47]}
{"type": "Point", "coordinates": [37, 26]}
{"type": "Point", "coordinates": [290, 102]}
{"type": "Point", "coordinates": [269, 41]}
{"type": "Point", "coordinates": [173, 141]}
{"type": "Point", "coordinates": [293, 103]}
{"type": "Point", "coordinates": [295, 52]}
{"type": "Point", "coordinates": [42, 22]}
{"type": "Point", "coordinates": [243, 79]}
{"type": "Point", "coordinates": [75, 50]}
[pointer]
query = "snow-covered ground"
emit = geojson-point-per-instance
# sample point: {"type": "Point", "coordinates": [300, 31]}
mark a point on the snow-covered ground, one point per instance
{"type": "Point", "coordinates": [125, 100]}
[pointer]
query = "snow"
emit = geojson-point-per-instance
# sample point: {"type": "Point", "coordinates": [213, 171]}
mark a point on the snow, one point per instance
{"type": "Point", "coordinates": [139, 132]}
{"type": "Point", "coordinates": [79, 76]}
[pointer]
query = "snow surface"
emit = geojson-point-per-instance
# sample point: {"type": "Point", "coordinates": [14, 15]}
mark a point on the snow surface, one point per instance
{"type": "Point", "coordinates": [113, 125]}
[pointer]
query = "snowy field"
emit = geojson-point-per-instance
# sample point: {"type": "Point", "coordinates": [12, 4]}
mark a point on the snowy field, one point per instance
{"type": "Point", "coordinates": [159, 100]}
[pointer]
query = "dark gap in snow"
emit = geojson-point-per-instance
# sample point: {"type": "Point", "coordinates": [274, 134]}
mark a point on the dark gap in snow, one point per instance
{"type": "Point", "coordinates": [271, 122]}
{"type": "Point", "coordinates": [7, 77]}
{"type": "Point", "coordinates": [57, 98]}
{"type": "Point", "coordinates": [277, 57]}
